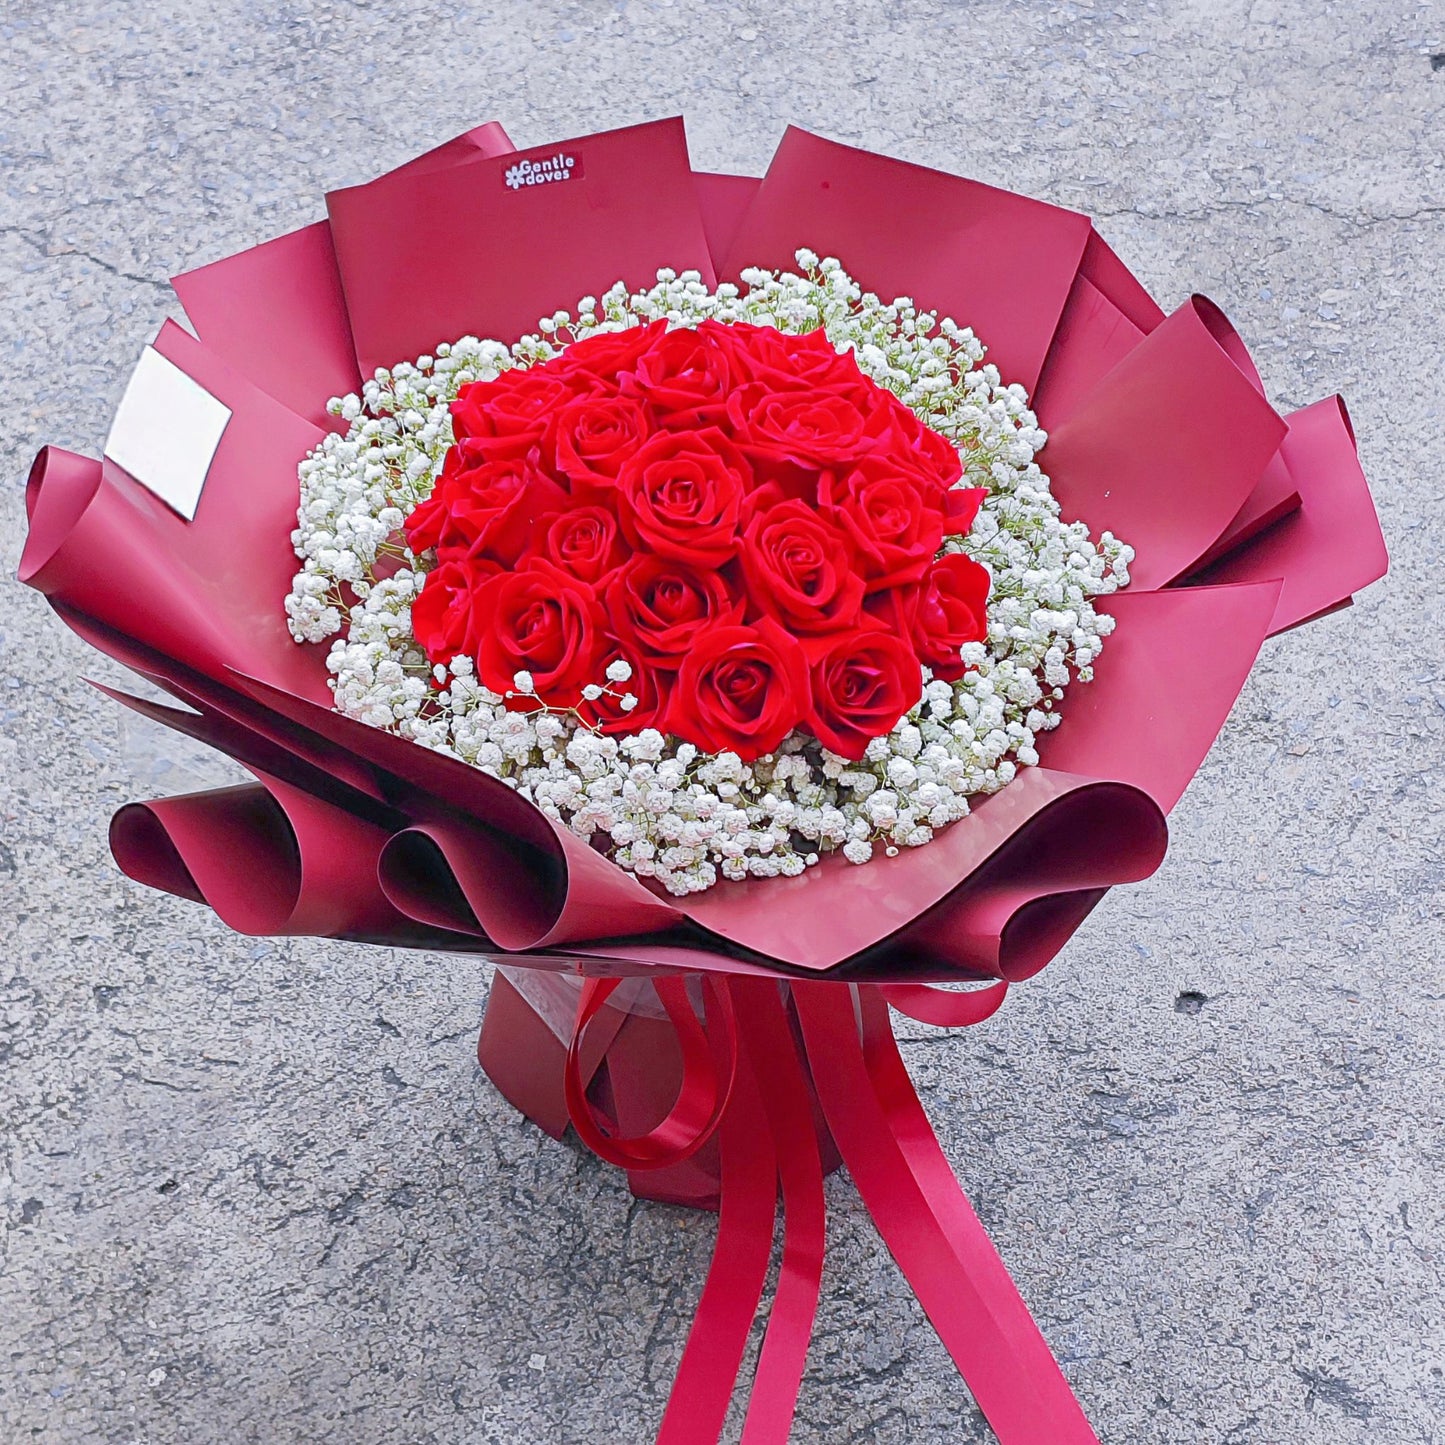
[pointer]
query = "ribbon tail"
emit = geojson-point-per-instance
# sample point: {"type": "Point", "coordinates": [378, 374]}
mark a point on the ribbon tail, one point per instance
{"type": "Point", "coordinates": [697, 1407]}
{"type": "Point", "coordinates": [768, 1038]}
{"type": "Point", "coordinates": [927, 1223]}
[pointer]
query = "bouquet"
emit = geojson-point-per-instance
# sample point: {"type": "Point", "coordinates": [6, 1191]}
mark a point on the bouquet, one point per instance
{"type": "Point", "coordinates": [737, 607]}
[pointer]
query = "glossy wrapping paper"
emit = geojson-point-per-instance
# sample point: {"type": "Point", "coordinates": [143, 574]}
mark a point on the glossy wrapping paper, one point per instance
{"type": "Point", "coordinates": [728, 1048]}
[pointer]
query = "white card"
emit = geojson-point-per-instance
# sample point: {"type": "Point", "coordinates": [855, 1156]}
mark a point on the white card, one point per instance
{"type": "Point", "coordinates": [166, 432]}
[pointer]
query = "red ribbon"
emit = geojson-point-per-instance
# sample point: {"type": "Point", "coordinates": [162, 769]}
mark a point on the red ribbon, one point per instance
{"type": "Point", "coordinates": [770, 1048]}
{"type": "Point", "coordinates": [704, 1382]}
{"type": "Point", "coordinates": [929, 1226]}
{"type": "Point", "coordinates": [706, 1082]}
{"type": "Point", "coordinates": [746, 1077]}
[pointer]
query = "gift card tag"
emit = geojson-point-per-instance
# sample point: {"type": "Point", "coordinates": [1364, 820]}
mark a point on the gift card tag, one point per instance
{"type": "Point", "coordinates": [166, 432]}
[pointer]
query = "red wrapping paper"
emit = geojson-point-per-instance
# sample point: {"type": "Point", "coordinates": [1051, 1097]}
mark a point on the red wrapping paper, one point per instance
{"type": "Point", "coordinates": [278, 312]}
{"type": "Point", "coordinates": [729, 1048]}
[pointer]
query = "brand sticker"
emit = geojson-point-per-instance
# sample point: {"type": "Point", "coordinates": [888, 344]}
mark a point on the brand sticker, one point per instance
{"type": "Point", "coordinates": [543, 170]}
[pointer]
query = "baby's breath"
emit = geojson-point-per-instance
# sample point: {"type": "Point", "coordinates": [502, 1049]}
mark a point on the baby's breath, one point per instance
{"type": "Point", "coordinates": [661, 808]}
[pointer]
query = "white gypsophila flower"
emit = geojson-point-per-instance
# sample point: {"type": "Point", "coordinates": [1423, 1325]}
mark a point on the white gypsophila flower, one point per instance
{"type": "Point", "coordinates": [665, 810]}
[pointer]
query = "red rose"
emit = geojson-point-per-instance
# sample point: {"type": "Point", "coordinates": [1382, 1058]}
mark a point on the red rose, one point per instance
{"type": "Point", "coordinates": [652, 687]}
{"type": "Point", "coordinates": [927, 450]}
{"type": "Point", "coordinates": [592, 438]}
{"type": "Point", "coordinates": [799, 569]}
{"type": "Point", "coordinates": [543, 621]}
{"type": "Point", "coordinates": [685, 376]}
{"type": "Point", "coordinates": [682, 494]}
{"type": "Point", "coordinates": [741, 690]}
{"type": "Point", "coordinates": [861, 686]}
{"type": "Point", "coordinates": [482, 505]}
{"type": "Point", "coordinates": [895, 528]}
{"type": "Point", "coordinates": [608, 355]}
{"type": "Point", "coordinates": [788, 435]}
{"type": "Point", "coordinates": [659, 605]}
{"type": "Point", "coordinates": [518, 411]}
{"type": "Point", "coordinates": [951, 611]}
{"type": "Point", "coordinates": [790, 363]}
{"type": "Point", "coordinates": [583, 541]}
{"type": "Point", "coordinates": [442, 618]}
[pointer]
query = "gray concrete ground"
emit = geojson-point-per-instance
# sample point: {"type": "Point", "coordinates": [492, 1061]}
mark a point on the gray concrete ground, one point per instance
{"type": "Point", "coordinates": [258, 1191]}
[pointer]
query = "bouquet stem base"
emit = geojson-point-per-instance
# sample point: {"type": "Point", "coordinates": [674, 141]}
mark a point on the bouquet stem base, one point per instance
{"type": "Point", "coordinates": [632, 1067]}
{"type": "Point", "coordinates": [739, 1094]}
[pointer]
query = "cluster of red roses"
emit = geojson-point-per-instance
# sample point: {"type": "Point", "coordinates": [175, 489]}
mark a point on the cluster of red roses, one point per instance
{"type": "Point", "coordinates": [740, 514]}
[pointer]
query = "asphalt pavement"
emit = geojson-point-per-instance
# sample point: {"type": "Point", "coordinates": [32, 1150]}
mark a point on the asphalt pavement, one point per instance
{"type": "Point", "coordinates": [258, 1191]}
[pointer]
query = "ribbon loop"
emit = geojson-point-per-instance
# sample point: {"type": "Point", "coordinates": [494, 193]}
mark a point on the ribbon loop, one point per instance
{"type": "Point", "coordinates": [702, 1097]}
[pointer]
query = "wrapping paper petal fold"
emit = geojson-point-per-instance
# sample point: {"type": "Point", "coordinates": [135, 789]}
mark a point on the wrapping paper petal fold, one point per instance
{"type": "Point", "coordinates": [108, 548]}
{"type": "Point", "coordinates": [1144, 453]}
{"type": "Point", "coordinates": [723, 201]}
{"type": "Point", "coordinates": [277, 312]}
{"type": "Point", "coordinates": [429, 257]}
{"type": "Point", "coordinates": [1331, 546]}
{"type": "Point", "coordinates": [998, 262]}
{"type": "Point", "coordinates": [268, 858]}
{"type": "Point", "coordinates": [836, 913]}
{"type": "Point", "coordinates": [1182, 658]}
